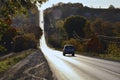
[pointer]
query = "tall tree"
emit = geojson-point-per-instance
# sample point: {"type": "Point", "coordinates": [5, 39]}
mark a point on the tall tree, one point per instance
{"type": "Point", "coordinates": [111, 7]}
{"type": "Point", "coordinates": [74, 25]}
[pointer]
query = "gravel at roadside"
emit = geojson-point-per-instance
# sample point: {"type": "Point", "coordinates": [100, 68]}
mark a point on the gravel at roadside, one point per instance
{"type": "Point", "coordinates": [34, 67]}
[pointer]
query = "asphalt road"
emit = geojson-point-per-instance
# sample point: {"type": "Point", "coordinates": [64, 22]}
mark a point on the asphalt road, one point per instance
{"type": "Point", "coordinates": [79, 67]}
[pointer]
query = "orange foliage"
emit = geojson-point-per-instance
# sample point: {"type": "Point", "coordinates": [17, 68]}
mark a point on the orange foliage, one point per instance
{"type": "Point", "coordinates": [8, 21]}
{"type": "Point", "coordinates": [94, 45]}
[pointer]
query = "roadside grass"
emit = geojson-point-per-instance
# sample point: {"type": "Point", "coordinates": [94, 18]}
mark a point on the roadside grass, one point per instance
{"type": "Point", "coordinates": [113, 53]}
{"type": "Point", "coordinates": [9, 61]}
{"type": "Point", "coordinates": [106, 56]}
{"type": "Point", "coordinates": [110, 57]}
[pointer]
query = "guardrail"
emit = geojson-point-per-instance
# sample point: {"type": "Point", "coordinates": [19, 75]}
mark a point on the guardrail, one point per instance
{"type": "Point", "coordinates": [111, 39]}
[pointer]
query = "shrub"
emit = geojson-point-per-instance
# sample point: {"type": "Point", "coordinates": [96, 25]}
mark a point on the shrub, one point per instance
{"type": "Point", "coordinates": [24, 42]}
{"type": "Point", "coordinates": [113, 50]}
{"type": "Point", "coordinates": [7, 38]}
{"type": "Point", "coordinates": [94, 45]}
{"type": "Point", "coordinates": [2, 49]}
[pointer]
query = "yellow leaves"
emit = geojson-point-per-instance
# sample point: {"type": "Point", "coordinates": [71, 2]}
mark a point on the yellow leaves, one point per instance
{"type": "Point", "coordinates": [13, 7]}
{"type": "Point", "coordinates": [77, 44]}
{"type": "Point", "coordinates": [59, 23]}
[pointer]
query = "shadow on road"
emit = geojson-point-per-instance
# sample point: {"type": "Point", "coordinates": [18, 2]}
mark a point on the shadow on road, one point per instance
{"type": "Point", "coordinates": [69, 55]}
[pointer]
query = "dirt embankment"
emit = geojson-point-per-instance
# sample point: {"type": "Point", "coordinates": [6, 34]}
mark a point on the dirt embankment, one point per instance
{"type": "Point", "coordinates": [34, 67]}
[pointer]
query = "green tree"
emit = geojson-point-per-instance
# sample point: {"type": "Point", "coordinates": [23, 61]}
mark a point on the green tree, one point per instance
{"type": "Point", "coordinates": [75, 24]}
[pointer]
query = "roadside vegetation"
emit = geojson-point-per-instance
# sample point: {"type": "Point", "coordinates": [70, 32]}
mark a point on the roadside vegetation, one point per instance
{"type": "Point", "coordinates": [92, 34]}
{"type": "Point", "coordinates": [8, 61]}
{"type": "Point", "coordinates": [15, 40]}
{"type": "Point", "coordinates": [17, 33]}
{"type": "Point", "coordinates": [113, 52]}
{"type": "Point", "coordinates": [24, 35]}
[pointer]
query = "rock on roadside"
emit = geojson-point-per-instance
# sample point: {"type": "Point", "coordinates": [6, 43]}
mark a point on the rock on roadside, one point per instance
{"type": "Point", "coordinates": [34, 67]}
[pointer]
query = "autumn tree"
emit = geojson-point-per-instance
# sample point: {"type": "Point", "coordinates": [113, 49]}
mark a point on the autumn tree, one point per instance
{"type": "Point", "coordinates": [75, 24]}
{"type": "Point", "coordinates": [96, 26]}
{"type": "Point", "coordinates": [9, 8]}
{"type": "Point", "coordinates": [23, 42]}
{"type": "Point", "coordinates": [61, 32]}
{"type": "Point", "coordinates": [95, 45]}
{"type": "Point", "coordinates": [117, 28]}
{"type": "Point", "coordinates": [102, 27]}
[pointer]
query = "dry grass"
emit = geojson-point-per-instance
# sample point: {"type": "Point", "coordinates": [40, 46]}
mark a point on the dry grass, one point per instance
{"type": "Point", "coordinates": [11, 60]}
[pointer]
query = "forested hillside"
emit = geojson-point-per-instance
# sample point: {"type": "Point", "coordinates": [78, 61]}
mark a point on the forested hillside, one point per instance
{"type": "Point", "coordinates": [89, 29]}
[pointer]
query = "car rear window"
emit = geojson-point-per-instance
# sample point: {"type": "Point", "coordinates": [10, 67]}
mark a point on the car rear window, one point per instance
{"type": "Point", "coordinates": [69, 47]}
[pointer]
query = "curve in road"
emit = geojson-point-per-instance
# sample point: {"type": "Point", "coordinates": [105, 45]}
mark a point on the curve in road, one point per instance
{"type": "Point", "coordinates": [79, 67]}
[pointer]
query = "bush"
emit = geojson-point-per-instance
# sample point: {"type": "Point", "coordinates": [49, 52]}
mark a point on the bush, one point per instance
{"type": "Point", "coordinates": [7, 38]}
{"type": "Point", "coordinates": [94, 45]}
{"type": "Point", "coordinates": [2, 49]}
{"type": "Point", "coordinates": [24, 42]}
{"type": "Point", "coordinates": [113, 50]}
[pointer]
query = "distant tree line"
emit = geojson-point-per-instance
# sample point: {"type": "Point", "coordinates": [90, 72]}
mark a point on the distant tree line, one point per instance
{"type": "Point", "coordinates": [85, 28]}
{"type": "Point", "coordinates": [84, 34]}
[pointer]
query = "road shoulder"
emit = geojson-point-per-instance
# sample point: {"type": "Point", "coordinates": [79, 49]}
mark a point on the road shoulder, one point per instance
{"type": "Point", "coordinates": [33, 67]}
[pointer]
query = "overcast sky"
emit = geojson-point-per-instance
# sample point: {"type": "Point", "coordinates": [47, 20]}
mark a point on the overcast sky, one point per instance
{"type": "Point", "coordinates": [89, 3]}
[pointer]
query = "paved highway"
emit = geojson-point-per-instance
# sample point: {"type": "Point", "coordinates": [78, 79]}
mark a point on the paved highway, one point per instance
{"type": "Point", "coordinates": [79, 67]}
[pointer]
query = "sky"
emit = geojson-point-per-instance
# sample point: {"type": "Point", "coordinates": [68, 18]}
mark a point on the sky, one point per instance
{"type": "Point", "coordinates": [89, 3]}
